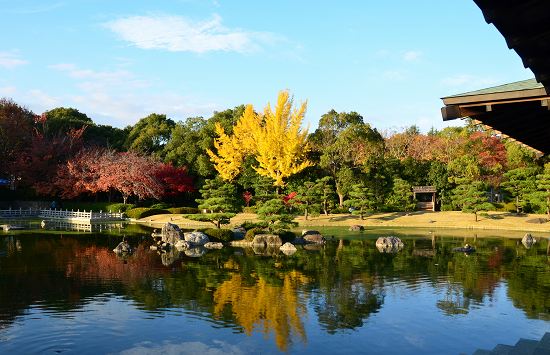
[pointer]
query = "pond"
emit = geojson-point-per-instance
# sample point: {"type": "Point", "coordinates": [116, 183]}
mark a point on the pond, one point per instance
{"type": "Point", "coordinates": [66, 292]}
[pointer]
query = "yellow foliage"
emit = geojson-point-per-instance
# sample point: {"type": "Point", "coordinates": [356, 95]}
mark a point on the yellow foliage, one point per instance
{"type": "Point", "coordinates": [281, 144]}
{"type": "Point", "coordinates": [264, 307]}
{"type": "Point", "coordinates": [275, 139]}
{"type": "Point", "coordinates": [230, 156]}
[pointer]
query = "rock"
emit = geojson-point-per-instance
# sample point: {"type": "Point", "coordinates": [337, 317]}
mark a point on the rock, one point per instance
{"type": "Point", "coordinates": [213, 245]}
{"type": "Point", "coordinates": [267, 240]}
{"type": "Point", "coordinates": [528, 240]}
{"type": "Point", "coordinates": [195, 252]}
{"type": "Point", "coordinates": [123, 248]}
{"type": "Point", "coordinates": [467, 248]}
{"type": "Point", "coordinates": [315, 239]}
{"type": "Point", "coordinates": [389, 244]}
{"type": "Point", "coordinates": [309, 232]}
{"type": "Point", "coordinates": [171, 233]}
{"type": "Point", "coordinates": [182, 245]}
{"type": "Point", "coordinates": [196, 238]}
{"type": "Point", "coordinates": [288, 249]}
{"type": "Point", "coordinates": [356, 228]}
{"type": "Point", "coordinates": [238, 232]}
{"type": "Point", "coordinates": [153, 247]}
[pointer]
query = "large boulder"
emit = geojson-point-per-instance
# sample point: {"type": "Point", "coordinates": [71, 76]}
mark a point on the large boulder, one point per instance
{"type": "Point", "coordinates": [171, 233]}
{"type": "Point", "coordinates": [528, 240]}
{"type": "Point", "coordinates": [389, 244]}
{"type": "Point", "coordinates": [182, 245]}
{"type": "Point", "coordinates": [196, 238]}
{"type": "Point", "coordinates": [356, 228]}
{"type": "Point", "coordinates": [267, 240]}
{"type": "Point", "coordinates": [315, 238]}
{"type": "Point", "coordinates": [309, 232]}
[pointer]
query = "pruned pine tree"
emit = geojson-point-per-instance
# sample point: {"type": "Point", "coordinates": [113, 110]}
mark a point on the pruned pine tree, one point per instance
{"type": "Point", "coordinates": [309, 197]}
{"type": "Point", "coordinates": [275, 213]}
{"type": "Point", "coordinates": [361, 199]}
{"type": "Point", "coordinates": [218, 202]}
{"type": "Point", "coordinates": [472, 197]}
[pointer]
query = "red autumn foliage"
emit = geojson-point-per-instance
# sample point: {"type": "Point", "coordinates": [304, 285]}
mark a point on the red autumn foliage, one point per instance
{"type": "Point", "coordinates": [174, 180]}
{"type": "Point", "coordinates": [96, 170]}
{"type": "Point", "coordinates": [288, 198]}
{"type": "Point", "coordinates": [39, 165]}
{"type": "Point", "coordinates": [247, 197]}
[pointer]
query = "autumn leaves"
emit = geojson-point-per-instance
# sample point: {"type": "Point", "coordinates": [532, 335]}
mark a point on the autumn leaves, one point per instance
{"type": "Point", "coordinates": [275, 139]}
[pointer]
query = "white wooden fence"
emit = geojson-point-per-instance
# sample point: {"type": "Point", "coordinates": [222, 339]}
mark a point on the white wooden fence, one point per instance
{"type": "Point", "coordinates": [63, 214]}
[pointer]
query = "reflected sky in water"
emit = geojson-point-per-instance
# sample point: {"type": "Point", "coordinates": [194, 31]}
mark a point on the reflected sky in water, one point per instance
{"type": "Point", "coordinates": [71, 293]}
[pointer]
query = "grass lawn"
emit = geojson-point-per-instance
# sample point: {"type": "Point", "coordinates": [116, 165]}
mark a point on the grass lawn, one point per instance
{"type": "Point", "coordinates": [420, 219]}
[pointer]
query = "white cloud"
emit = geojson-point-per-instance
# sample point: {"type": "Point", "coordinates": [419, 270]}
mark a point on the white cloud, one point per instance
{"type": "Point", "coordinates": [43, 99]}
{"type": "Point", "coordinates": [10, 60]}
{"type": "Point", "coordinates": [468, 80]}
{"type": "Point", "coordinates": [195, 347]}
{"type": "Point", "coordinates": [179, 34]}
{"type": "Point", "coordinates": [411, 56]}
{"type": "Point", "coordinates": [97, 80]}
{"type": "Point", "coordinates": [7, 91]}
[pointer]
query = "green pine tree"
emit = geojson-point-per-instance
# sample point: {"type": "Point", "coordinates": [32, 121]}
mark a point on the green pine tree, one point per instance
{"type": "Point", "coordinates": [218, 201]}
{"type": "Point", "coordinates": [472, 197]}
{"type": "Point", "coordinates": [361, 199]}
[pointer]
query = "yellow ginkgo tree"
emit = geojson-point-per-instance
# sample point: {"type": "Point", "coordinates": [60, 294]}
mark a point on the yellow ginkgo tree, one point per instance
{"type": "Point", "coordinates": [275, 138]}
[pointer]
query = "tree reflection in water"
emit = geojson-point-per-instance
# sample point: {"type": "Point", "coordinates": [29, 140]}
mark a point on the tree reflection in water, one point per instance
{"type": "Point", "coordinates": [343, 283]}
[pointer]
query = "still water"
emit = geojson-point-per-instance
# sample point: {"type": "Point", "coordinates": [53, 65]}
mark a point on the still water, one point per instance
{"type": "Point", "coordinates": [69, 293]}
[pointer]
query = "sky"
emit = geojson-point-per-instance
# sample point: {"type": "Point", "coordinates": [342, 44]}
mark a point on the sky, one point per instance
{"type": "Point", "coordinates": [118, 61]}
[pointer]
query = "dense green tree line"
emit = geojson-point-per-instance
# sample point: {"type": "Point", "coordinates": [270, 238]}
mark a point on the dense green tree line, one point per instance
{"type": "Point", "coordinates": [352, 163]}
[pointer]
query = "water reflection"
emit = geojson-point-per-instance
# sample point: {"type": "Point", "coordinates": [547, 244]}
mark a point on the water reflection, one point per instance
{"type": "Point", "coordinates": [340, 285]}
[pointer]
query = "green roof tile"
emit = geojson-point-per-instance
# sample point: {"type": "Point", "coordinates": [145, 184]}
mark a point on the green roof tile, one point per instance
{"type": "Point", "coordinates": [528, 84]}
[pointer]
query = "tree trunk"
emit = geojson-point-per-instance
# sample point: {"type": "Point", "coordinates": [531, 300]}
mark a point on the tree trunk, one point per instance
{"type": "Point", "coordinates": [340, 199]}
{"type": "Point", "coordinates": [547, 207]}
{"type": "Point", "coordinates": [475, 214]}
{"type": "Point", "coordinates": [517, 204]}
{"type": "Point", "coordinates": [124, 198]}
{"type": "Point", "coordinates": [305, 213]}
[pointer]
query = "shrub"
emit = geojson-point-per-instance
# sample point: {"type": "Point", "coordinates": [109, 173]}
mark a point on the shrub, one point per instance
{"type": "Point", "coordinates": [221, 235]}
{"type": "Point", "coordinates": [142, 212]}
{"type": "Point", "coordinates": [286, 235]}
{"type": "Point", "coordinates": [183, 210]}
{"type": "Point", "coordinates": [251, 233]}
{"type": "Point", "coordinates": [249, 209]}
{"type": "Point", "coordinates": [447, 207]}
{"type": "Point", "coordinates": [510, 207]}
{"type": "Point", "coordinates": [116, 207]}
{"type": "Point", "coordinates": [339, 210]}
{"type": "Point", "coordinates": [249, 225]}
{"type": "Point", "coordinates": [161, 206]}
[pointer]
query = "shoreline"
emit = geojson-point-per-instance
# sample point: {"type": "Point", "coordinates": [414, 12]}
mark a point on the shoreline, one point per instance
{"type": "Point", "coordinates": [496, 221]}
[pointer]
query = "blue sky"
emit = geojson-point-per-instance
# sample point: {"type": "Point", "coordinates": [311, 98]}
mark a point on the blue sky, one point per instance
{"type": "Point", "coordinates": [118, 61]}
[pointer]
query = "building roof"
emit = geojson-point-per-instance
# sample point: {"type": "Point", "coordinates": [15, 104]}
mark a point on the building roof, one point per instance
{"type": "Point", "coordinates": [525, 25]}
{"type": "Point", "coordinates": [520, 110]}
{"type": "Point", "coordinates": [529, 84]}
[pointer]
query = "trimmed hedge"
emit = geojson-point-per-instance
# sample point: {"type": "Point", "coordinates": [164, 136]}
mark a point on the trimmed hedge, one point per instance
{"type": "Point", "coordinates": [142, 212]}
{"type": "Point", "coordinates": [183, 210]}
{"type": "Point", "coordinates": [221, 235]}
{"type": "Point", "coordinates": [251, 209]}
{"type": "Point", "coordinates": [116, 207]}
{"type": "Point", "coordinates": [161, 206]}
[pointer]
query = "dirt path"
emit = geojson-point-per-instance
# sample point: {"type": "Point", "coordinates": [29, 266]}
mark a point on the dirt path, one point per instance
{"type": "Point", "coordinates": [492, 221]}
